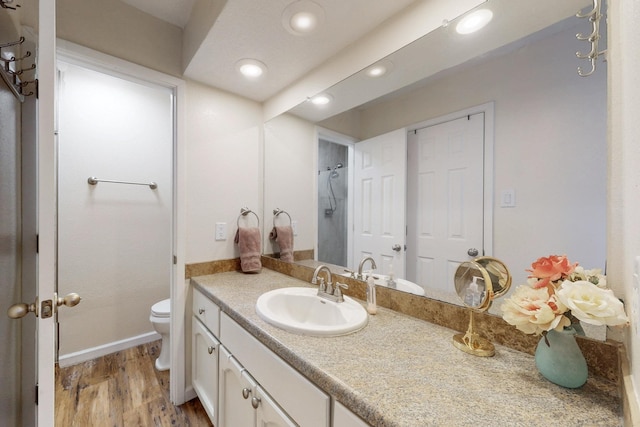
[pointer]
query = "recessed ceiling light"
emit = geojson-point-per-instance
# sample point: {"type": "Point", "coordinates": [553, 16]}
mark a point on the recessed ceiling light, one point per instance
{"type": "Point", "coordinates": [379, 69]}
{"type": "Point", "coordinates": [474, 21]}
{"type": "Point", "coordinates": [251, 68]}
{"type": "Point", "coordinates": [321, 99]}
{"type": "Point", "coordinates": [302, 17]}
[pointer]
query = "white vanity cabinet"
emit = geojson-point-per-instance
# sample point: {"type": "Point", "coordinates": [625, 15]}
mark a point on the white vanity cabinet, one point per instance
{"type": "Point", "coordinates": [343, 417]}
{"type": "Point", "coordinates": [305, 403]}
{"type": "Point", "coordinates": [250, 385]}
{"type": "Point", "coordinates": [235, 392]}
{"type": "Point", "coordinates": [243, 402]}
{"type": "Point", "coordinates": [204, 367]}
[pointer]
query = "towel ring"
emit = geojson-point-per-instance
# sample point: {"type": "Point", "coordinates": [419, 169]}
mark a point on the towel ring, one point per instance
{"type": "Point", "coordinates": [245, 212]}
{"type": "Point", "coordinates": [278, 211]}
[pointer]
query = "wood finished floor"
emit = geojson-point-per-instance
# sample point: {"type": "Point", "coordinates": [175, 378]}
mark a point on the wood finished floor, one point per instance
{"type": "Point", "coordinates": [121, 389]}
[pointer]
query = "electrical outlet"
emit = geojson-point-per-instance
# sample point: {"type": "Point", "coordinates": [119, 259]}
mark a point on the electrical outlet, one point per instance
{"type": "Point", "coordinates": [294, 227]}
{"type": "Point", "coordinates": [221, 231]}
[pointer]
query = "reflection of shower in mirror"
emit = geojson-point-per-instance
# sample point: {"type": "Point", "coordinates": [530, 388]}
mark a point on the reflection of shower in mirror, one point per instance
{"type": "Point", "coordinates": [331, 195]}
{"type": "Point", "coordinates": [332, 202]}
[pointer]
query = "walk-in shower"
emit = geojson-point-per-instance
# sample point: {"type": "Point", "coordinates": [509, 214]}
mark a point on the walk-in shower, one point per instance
{"type": "Point", "coordinates": [332, 202]}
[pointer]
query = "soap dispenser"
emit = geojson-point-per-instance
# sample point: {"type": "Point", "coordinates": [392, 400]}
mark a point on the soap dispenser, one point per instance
{"type": "Point", "coordinates": [473, 295]}
{"type": "Point", "coordinates": [371, 296]}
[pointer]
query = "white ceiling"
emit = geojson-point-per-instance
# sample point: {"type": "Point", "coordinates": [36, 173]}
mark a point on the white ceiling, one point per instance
{"type": "Point", "coordinates": [253, 29]}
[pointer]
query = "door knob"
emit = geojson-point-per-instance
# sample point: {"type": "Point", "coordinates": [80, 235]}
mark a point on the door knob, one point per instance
{"type": "Point", "coordinates": [70, 300]}
{"type": "Point", "coordinates": [472, 252]}
{"type": "Point", "coordinates": [255, 402]}
{"type": "Point", "coordinates": [17, 311]}
{"type": "Point", "coordinates": [396, 247]}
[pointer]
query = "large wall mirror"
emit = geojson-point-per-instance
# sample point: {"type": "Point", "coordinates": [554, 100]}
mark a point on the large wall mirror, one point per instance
{"type": "Point", "coordinates": [542, 151]}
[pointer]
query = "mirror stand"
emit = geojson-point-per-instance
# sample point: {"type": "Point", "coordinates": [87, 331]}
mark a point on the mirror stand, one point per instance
{"type": "Point", "coordinates": [472, 343]}
{"type": "Point", "coordinates": [477, 283]}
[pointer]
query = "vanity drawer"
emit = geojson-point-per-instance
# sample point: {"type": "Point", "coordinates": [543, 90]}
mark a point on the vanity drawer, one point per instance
{"type": "Point", "coordinates": [207, 311]}
{"type": "Point", "coordinates": [299, 397]}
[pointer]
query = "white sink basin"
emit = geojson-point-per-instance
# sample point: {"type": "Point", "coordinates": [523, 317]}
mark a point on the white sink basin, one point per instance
{"type": "Point", "coordinates": [302, 311]}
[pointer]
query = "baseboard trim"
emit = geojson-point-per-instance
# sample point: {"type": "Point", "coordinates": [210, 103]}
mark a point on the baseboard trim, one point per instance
{"type": "Point", "coordinates": [102, 350]}
{"type": "Point", "coordinates": [189, 393]}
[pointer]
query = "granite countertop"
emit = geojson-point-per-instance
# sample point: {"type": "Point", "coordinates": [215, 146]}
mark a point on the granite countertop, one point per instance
{"type": "Point", "coordinates": [401, 371]}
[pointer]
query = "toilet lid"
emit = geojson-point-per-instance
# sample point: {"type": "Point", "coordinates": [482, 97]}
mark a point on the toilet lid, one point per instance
{"type": "Point", "coordinates": [162, 308]}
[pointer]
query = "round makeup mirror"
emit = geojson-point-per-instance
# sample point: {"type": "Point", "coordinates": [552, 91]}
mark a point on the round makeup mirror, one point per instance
{"type": "Point", "coordinates": [477, 283]}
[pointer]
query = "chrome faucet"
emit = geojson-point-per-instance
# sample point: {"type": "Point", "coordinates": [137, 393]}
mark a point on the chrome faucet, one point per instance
{"type": "Point", "coordinates": [373, 266]}
{"type": "Point", "coordinates": [324, 287]}
{"type": "Point", "coordinates": [326, 290]}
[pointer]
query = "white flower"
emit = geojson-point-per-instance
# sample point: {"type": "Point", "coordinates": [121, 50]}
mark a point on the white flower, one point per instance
{"type": "Point", "coordinates": [534, 311]}
{"type": "Point", "coordinates": [592, 304]}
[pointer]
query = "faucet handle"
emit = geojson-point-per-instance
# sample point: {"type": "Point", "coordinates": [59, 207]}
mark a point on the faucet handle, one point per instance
{"type": "Point", "coordinates": [352, 273]}
{"type": "Point", "coordinates": [338, 292]}
{"type": "Point", "coordinates": [322, 286]}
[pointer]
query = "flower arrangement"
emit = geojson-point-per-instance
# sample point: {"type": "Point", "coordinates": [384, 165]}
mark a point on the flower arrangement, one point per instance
{"type": "Point", "coordinates": [559, 294]}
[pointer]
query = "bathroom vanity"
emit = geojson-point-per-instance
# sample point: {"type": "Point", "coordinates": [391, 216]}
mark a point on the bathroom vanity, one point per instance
{"type": "Point", "coordinates": [397, 371]}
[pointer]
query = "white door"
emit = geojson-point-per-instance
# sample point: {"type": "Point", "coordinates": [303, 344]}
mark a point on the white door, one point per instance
{"type": "Point", "coordinates": [46, 208]}
{"type": "Point", "coordinates": [445, 199]}
{"type": "Point", "coordinates": [379, 201]}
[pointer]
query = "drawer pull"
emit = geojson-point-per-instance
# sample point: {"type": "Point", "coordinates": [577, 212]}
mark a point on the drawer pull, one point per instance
{"type": "Point", "coordinates": [200, 310]}
{"type": "Point", "coordinates": [246, 392]}
{"type": "Point", "coordinates": [255, 402]}
{"type": "Point", "coordinates": [211, 349]}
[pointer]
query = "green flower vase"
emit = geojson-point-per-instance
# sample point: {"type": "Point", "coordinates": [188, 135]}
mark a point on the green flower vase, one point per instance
{"type": "Point", "coordinates": [561, 361]}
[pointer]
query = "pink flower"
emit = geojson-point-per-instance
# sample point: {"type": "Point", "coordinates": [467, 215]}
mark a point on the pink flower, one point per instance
{"type": "Point", "coordinates": [550, 269]}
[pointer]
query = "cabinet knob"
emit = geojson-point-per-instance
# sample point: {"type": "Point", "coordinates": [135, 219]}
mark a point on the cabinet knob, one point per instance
{"type": "Point", "coordinates": [255, 402]}
{"type": "Point", "coordinates": [210, 349]}
{"type": "Point", "coordinates": [200, 310]}
{"type": "Point", "coordinates": [246, 392]}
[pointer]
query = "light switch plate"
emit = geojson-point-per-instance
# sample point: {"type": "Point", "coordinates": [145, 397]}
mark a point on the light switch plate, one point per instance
{"type": "Point", "coordinates": [294, 227]}
{"type": "Point", "coordinates": [221, 231]}
{"type": "Point", "coordinates": [508, 198]}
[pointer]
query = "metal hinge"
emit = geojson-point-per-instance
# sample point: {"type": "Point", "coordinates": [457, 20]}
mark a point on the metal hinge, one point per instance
{"type": "Point", "coordinates": [36, 394]}
{"type": "Point", "coordinates": [175, 260]}
{"type": "Point", "coordinates": [37, 243]}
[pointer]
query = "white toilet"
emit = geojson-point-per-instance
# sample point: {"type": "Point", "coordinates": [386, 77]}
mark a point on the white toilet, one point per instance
{"type": "Point", "coordinates": [161, 319]}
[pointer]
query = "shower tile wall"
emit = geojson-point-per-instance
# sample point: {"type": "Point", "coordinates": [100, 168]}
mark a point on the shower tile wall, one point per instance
{"type": "Point", "coordinates": [332, 226]}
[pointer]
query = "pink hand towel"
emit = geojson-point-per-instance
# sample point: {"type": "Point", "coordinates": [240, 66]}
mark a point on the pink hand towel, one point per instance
{"type": "Point", "coordinates": [284, 237]}
{"type": "Point", "coordinates": [248, 241]}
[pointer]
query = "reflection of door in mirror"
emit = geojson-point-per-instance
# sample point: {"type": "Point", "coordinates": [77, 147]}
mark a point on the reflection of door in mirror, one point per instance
{"type": "Point", "coordinates": [445, 199]}
{"type": "Point", "coordinates": [333, 190]}
{"type": "Point", "coordinates": [379, 201]}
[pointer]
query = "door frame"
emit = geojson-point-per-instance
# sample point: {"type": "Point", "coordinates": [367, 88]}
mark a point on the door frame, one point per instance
{"type": "Point", "coordinates": [489, 116]}
{"type": "Point", "coordinates": [85, 57]}
{"type": "Point", "coordinates": [46, 205]}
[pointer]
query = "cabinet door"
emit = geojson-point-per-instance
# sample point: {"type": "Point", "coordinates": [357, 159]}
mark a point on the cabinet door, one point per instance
{"type": "Point", "coordinates": [236, 391]}
{"type": "Point", "coordinates": [204, 367]}
{"type": "Point", "coordinates": [268, 413]}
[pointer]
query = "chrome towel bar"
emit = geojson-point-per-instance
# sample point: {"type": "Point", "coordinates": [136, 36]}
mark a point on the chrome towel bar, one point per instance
{"type": "Point", "coordinates": [93, 181]}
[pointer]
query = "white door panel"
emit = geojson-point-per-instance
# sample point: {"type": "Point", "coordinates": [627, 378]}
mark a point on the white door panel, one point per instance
{"type": "Point", "coordinates": [379, 195]}
{"type": "Point", "coordinates": [446, 199]}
